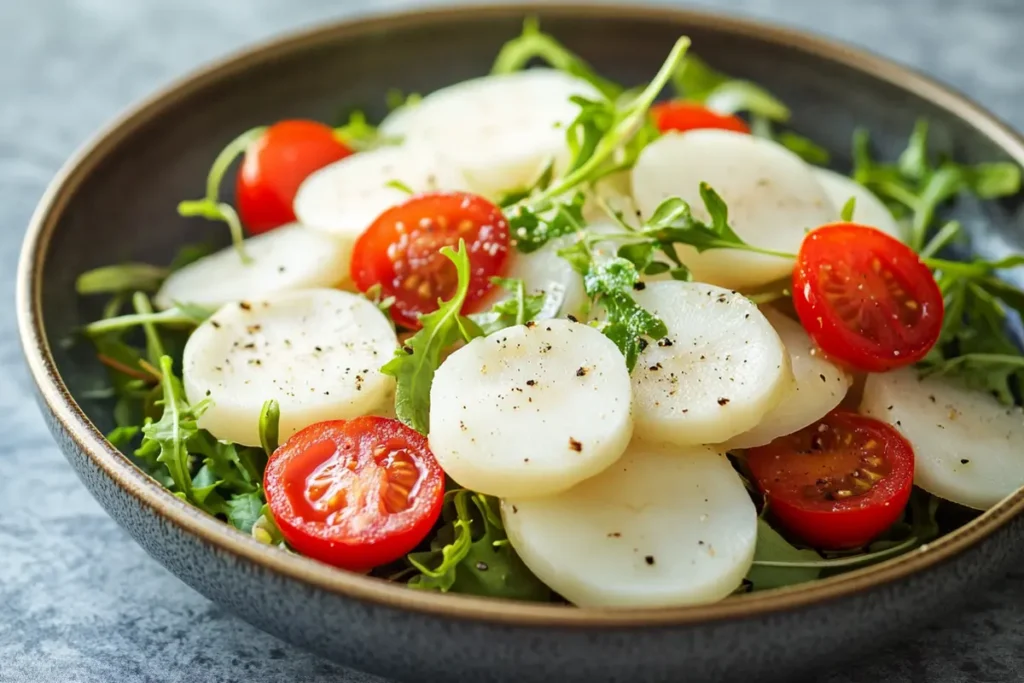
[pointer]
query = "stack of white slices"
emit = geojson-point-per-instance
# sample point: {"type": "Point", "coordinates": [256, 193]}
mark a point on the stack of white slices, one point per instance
{"type": "Point", "coordinates": [611, 493]}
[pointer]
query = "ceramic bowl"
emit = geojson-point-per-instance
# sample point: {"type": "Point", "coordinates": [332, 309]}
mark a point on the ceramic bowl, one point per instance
{"type": "Point", "coordinates": [116, 200]}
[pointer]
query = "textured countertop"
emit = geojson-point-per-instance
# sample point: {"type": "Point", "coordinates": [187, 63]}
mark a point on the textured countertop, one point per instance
{"type": "Point", "coordinates": [79, 601]}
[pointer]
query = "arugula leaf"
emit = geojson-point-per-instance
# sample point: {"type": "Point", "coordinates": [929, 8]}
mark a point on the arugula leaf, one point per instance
{"type": "Point", "coordinates": [188, 315]}
{"type": "Point", "coordinates": [975, 344]}
{"type": "Point", "coordinates": [602, 128]}
{"type": "Point", "coordinates": [921, 187]}
{"type": "Point", "coordinates": [238, 468]}
{"type": "Point", "coordinates": [269, 426]}
{"type": "Point", "coordinates": [166, 437]}
{"type": "Point", "coordinates": [516, 310]}
{"type": "Point", "coordinates": [471, 554]}
{"type": "Point", "coordinates": [244, 510]}
{"type": "Point", "coordinates": [396, 99]}
{"type": "Point", "coordinates": [803, 147]}
{"type": "Point", "coordinates": [696, 81]}
{"type": "Point", "coordinates": [610, 283]}
{"type": "Point", "coordinates": [673, 223]}
{"type": "Point", "coordinates": [772, 547]}
{"type": "Point", "coordinates": [532, 43]}
{"type": "Point", "coordinates": [535, 227]}
{"type": "Point", "coordinates": [846, 214]}
{"type": "Point", "coordinates": [265, 529]}
{"type": "Point", "coordinates": [127, 277]}
{"type": "Point", "coordinates": [210, 207]}
{"type": "Point", "coordinates": [778, 563]}
{"type": "Point", "coordinates": [154, 345]}
{"type": "Point", "coordinates": [415, 363]}
{"type": "Point", "coordinates": [358, 133]}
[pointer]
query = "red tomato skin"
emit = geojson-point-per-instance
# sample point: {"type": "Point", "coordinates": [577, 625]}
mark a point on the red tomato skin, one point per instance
{"type": "Point", "coordinates": [841, 524]}
{"type": "Point", "coordinates": [275, 165]}
{"type": "Point", "coordinates": [399, 247]}
{"type": "Point", "coordinates": [849, 241]}
{"type": "Point", "coordinates": [375, 541]}
{"type": "Point", "coordinates": [681, 116]}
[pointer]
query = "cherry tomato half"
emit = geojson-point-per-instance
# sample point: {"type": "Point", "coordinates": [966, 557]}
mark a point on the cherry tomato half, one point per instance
{"type": "Point", "coordinates": [276, 164]}
{"type": "Point", "coordinates": [838, 483]}
{"type": "Point", "coordinates": [682, 116]}
{"type": "Point", "coordinates": [865, 298]}
{"type": "Point", "coordinates": [400, 250]}
{"type": "Point", "coordinates": [355, 494]}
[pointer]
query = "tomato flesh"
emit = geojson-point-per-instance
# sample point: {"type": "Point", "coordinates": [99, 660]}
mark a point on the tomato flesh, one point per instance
{"type": "Point", "coordinates": [838, 483]}
{"type": "Point", "coordinates": [679, 115]}
{"type": "Point", "coordinates": [275, 165]}
{"type": "Point", "coordinates": [401, 252]}
{"type": "Point", "coordinates": [355, 494]}
{"type": "Point", "coordinates": [865, 298]}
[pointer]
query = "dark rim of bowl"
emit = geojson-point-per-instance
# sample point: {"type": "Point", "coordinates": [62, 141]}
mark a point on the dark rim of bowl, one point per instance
{"type": "Point", "coordinates": [151, 494]}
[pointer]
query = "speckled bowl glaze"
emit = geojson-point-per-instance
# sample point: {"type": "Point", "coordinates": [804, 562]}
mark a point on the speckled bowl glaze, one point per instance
{"type": "Point", "coordinates": [116, 200]}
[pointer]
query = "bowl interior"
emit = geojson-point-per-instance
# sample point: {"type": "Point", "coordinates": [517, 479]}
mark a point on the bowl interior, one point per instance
{"type": "Point", "coordinates": [124, 207]}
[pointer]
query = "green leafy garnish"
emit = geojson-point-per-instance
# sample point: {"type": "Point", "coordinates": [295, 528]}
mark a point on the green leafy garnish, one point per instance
{"type": "Point", "coordinates": [400, 186]}
{"type": "Point", "coordinates": [182, 314]}
{"type": "Point", "coordinates": [695, 81]}
{"type": "Point", "coordinates": [778, 563]}
{"type": "Point", "coordinates": [916, 185]}
{"type": "Point", "coordinates": [846, 214]}
{"type": "Point", "coordinates": [518, 309]}
{"type": "Point", "coordinates": [532, 43]}
{"type": "Point", "coordinates": [601, 129]}
{"type": "Point", "coordinates": [210, 207]}
{"type": "Point", "coordinates": [359, 134]}
{"type": "Point", "coordinates": [166, 438]}
{"type": "Point", "coordinates": [269, 426]}
{"type": "Point", "coordinates": [265, 529]}
{"type": "Point", "coordinates": [244, 510]}
{"type": "Point", "coordinates": [471, 554]}
{"type": "Point", "coordinates": [415, 363]}
{"type": "Point", "coordinates": [396, 99]}
{"type": "Point", "coordinates": [127, 277]}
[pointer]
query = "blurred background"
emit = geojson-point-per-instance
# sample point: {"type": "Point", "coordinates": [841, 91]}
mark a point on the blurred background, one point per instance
{"type": "Point", "coordinates": [79, 601]}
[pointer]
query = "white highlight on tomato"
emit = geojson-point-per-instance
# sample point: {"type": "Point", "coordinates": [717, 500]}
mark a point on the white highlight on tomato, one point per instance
{"type": "Point", "coordinates": [868, 209]}
{"type": "Point", "coordinates": [531, 410]}
{"type": "Point", "coordinates": [719, 371]}
{"type": "Point", "coordinates": [345, 197]}
{"type": "Point", "coordinates": [772, 195]}
{"type": "Point", "coordinates": [967, 445]}
{"type": "Point", "coordinates": [818, 388]}
{"type": "Point", "coordinates": [317, 352]}
{"type": "Point", "coordinates": [662, 527]}
{"type": "Point", "coordinates": [500, 130]}
{"type": "Point", "coordinates": [284, 259]}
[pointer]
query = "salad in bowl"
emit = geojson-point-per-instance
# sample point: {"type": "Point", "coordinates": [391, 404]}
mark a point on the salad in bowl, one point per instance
{"type": "Point", "coordinates": [541, 336]}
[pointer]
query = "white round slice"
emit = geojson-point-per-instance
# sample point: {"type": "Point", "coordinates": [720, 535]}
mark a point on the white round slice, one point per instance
{"type": "Point", "coordinates": [345, 197]}
{"type": "Point", "coordinates": [317, 352]}
{"type": "Point", "coordinates": [719, 371]}
{"type": "Point", "coordinates": [660, 528]}
{"type": "Point", "coordinates": [284, 259]}
{"type": "Point", "coordinates": [967, 445]}
{"type": "Point", "coordinates": [868, 209]}
{"type": "Point", "coordinates": [818, 388]}
{"type": "Point", "coordinates": [500, 130]}
{"type": "Point", "coordinates": [531, 410]}
{"type": "Point", "coordinates": [772, 195]}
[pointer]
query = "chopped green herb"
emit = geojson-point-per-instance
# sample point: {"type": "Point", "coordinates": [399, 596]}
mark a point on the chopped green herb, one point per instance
{"type": "Point", "coordinates": [414, 365]}
{"type": "Point", "coordinates": [471, 554]}
{"type": "Point", "coordinates": [533, 44]}
{"type": "Point", "coordinates": [210, 207]}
